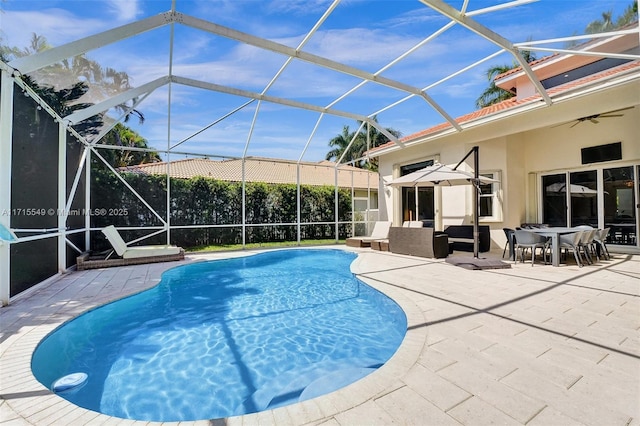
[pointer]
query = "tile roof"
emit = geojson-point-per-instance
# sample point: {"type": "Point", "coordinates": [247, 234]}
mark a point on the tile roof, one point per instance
{"type": "Point", "coordinates": [581, 46]}
{"type": "Point", "coordinates": [531, 64]}
{"type": "Point", "coordinates": [257, 169]}
{"type": "Point", "coordinates": [514, 102]}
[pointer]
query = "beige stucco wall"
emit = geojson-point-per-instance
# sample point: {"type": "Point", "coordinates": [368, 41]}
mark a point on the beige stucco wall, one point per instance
{"type": "Point", "coordinates": [495, 155]}
{"type": "Point", "coordinates": [559, 148]}
{"type": "Point", "coordinates": [544, 144]}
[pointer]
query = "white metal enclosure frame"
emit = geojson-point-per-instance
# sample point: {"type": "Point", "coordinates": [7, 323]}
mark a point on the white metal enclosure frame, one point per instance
{"type": "Point", "coordinates": [11, 75]}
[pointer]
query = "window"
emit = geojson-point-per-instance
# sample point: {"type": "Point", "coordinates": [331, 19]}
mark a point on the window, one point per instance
{"type": "Point", "coordinates": [418, 205]}
{"type": "Point", "coordinates": [586, 70]}
{"type": "Point", "coordinates": [490, 199]}
{"type": "Point", "coordinates": [601, 153]}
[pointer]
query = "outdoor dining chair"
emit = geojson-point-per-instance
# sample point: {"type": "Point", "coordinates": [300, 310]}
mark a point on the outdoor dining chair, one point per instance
{"type": "Point", "coordinates": [599, 240]}
{"type": "Point", "coordinates": [586, 244]}
{"type": "Point", "coordinates": [572, 242]}
{"type": "Point", "coordinates": [510, 235]}
{"type": "Point", "coordinates": [529, 240]}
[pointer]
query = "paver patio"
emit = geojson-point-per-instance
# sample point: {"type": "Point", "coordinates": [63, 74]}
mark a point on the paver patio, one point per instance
{"type": "Point", "coordinates": [523, 346]}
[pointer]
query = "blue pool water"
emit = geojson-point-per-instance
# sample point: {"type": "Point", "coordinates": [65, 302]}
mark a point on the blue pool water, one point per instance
{"type": "Point", "coordinates": [224, 338]}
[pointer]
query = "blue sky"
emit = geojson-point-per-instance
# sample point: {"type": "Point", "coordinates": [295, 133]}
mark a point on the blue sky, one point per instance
{"type": "Point", "coordinates": [362, 34]}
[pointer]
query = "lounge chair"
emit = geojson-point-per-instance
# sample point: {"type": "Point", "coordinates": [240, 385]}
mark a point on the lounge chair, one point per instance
{"type": "Point", "coordinates": [380, 232]}
{"type": "Point", "coordinates": [127, 252]}
{"type": "Point", "coordinates": [129, 255]}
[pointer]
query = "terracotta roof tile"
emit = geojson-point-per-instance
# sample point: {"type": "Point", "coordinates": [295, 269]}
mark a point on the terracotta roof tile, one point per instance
{"type": "Point", "coordinates": [518, 69]}
{"type": "Point", "coordinates": [580, 46]}
{"type": "Point", "coordinates": [261, 170]}
{"type": "Point", "coordinates": [513, 102]}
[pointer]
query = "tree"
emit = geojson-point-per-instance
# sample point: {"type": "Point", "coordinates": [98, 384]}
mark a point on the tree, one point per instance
{"type": "Point", "coordinates": [494, 94]}
{"type": "Point", "coordinates": [360, 145]}
{"type": "Point", "coordinates": [101, 83]}
{"type": "Point", "coordinates": [65, 102]}
{"type": "Point", "coordinates": [601, 26]}
{"type": "Point", "coordinates": [376, 138]}
{"type": "Point", "coordinates": [608, 23]}
{"type": "Point", "coordinates": [124, 136]}
{"type": "Point", "coordinates": [340, 144]}
{"type": "Point", "coordinates": [63, 85]}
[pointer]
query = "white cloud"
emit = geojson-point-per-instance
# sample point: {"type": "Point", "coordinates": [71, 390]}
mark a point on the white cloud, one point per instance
{"type": "Point", "coordinates": [299, 7]}
{"type": "Point", "coordinates": [57, 25]}
{"type": "Point", "coordinates": [359, 46]}
{"type": "Point", "coordinates": [419, 16]}
{"type": "Point", "coordinates": [124, 10]}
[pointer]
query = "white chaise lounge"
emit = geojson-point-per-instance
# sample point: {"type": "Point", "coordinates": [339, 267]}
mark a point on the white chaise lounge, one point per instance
{"type": "Point", "coordinates": [129, 255]}
{"type": "Point", "coordinates": [380, 232]}
{"type": "Point", "coordinates": [127, 252]}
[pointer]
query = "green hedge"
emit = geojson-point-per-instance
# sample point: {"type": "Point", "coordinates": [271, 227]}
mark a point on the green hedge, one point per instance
{"type": "Point", "coordinates": [207, 201]}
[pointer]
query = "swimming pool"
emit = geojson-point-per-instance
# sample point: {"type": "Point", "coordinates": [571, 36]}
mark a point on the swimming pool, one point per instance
{"type": "Point", "coordinates": [223, 338]}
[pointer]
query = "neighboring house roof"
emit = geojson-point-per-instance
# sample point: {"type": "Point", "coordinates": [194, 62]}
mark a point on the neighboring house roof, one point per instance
{"type": "Point", "coordinates": [513, 103]}
{"type": "Point", "coordinates": [266, 170]}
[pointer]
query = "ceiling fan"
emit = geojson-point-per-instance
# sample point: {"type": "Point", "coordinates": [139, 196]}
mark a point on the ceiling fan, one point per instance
{"type": "Point", "coordinates": [594, 118]}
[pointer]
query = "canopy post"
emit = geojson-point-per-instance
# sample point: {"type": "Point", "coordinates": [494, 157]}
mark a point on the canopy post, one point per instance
{"type": "Point", "coordinates": [476, 202]}
{"type": "Point", "coordinates": [476, 197]}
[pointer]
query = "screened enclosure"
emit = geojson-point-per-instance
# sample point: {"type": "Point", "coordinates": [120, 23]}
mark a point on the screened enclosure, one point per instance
{"type": "Point", "coordinates": [273, 85]}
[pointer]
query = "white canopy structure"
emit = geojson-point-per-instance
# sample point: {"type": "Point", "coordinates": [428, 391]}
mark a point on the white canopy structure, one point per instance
{"type": "Point", "coordinates": [296, 92]}
{"type": "Point", "coordinates": [438, 174]}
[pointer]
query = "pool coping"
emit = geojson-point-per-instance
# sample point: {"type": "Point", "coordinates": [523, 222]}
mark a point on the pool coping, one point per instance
{"type": "Point", "coordinates": [16, 351]}
{"type": "Point", "coordinates": [530, 345]}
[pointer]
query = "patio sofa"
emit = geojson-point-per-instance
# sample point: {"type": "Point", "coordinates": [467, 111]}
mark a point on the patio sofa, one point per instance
{"type": "Point", "coordinates": [423, 242]}
{"type": "Point", "coordinates": [461, 238]}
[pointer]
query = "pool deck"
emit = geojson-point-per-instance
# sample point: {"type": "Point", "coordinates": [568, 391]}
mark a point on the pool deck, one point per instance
{"type": "Point", "coordinates": [522, 346]}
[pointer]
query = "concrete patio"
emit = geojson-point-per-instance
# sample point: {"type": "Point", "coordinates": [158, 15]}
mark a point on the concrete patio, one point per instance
{"type": "Point", "coordinates": [524, 346]}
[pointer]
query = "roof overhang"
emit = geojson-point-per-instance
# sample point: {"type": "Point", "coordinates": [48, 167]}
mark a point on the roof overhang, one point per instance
{"type": "Point", "coordinates": [607, 45]}
{"type": "Point", "coordinates": [618, 92]}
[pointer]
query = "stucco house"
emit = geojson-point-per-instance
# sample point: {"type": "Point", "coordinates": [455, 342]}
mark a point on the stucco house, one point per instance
{"type": "Point", "coordinates": [583, 135]}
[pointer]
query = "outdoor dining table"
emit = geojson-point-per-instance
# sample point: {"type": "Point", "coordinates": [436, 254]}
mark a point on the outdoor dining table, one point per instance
{"type": "Point", "coordinates": [555, 232]}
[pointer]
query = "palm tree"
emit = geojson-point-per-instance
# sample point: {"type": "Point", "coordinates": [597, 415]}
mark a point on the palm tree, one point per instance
{"type": "Point", "coordinates": [494, 94]}
{"type": "Point", "coordinates": [601, 26]}
{"type": "Point", "coordinates": [359, 146]}
{"type": "Point", "coordinates": [124, 136]}
{"type": "Point", "coordinates": [607, 23]}
{"type": "Point", "coordinates": [67, 100]}
{"type": "Point", "coordinates": [101, 83]}
{"type": "Point", "coordinates": [629, 15]}
{"type": "Point", "coordinates": [376, 138]}
{"type": "Point", "coordinates": [340, 144]}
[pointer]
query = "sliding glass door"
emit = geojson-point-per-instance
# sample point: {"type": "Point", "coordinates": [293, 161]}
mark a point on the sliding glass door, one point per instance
{"type": "Point", "coordinates": [620, 205]}
{"type": "Point", "coordinates": [601, 198]}
{"type": "Point", "coordinates": [584, 198]}
{"type": "Point", "coordinates": [554, 199]}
